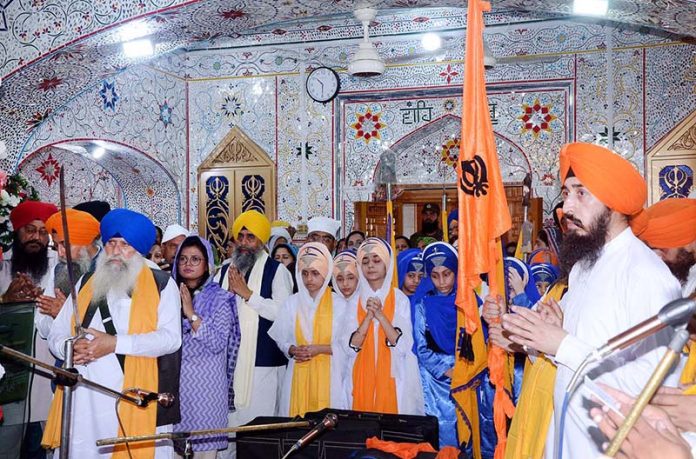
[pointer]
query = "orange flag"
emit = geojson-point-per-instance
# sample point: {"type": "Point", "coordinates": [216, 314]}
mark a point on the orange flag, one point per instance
{"type": "Point", "coordinates": [483, 218]}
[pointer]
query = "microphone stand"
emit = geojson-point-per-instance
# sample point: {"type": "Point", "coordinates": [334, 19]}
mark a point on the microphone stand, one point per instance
{"type": "Point", "coordinates": [68, 379]}
{"type": "Point", "coordinates": [666, 363]}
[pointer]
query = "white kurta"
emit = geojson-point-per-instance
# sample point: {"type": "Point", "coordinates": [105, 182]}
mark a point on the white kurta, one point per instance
{"type": "Point", "coordinates": [628, 284]}
{"type": "Point", "coordinates": [404, 363]}
{"type": "Point", "coordinates": [94, 415]}
{"type": "Point", "coordinates": [283, 333]}
{"type": "Point", "coordinates": [41, 394]}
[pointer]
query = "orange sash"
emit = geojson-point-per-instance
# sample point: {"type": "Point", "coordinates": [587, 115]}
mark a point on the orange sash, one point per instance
{"type": "Point", "coordinates": [374, 388]}
{"type": "Point", "coordinates": [139, 372]}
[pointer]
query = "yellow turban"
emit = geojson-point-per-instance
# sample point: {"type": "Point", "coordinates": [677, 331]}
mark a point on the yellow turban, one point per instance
{"type": "Point", "coordinates": [610, 178]}
{"type": "Point", "coordinates": [83, 228]}
{"type": "Point", "coordinates": [255, 222]}
{"type": "Point", "coordinates": [671, 224]}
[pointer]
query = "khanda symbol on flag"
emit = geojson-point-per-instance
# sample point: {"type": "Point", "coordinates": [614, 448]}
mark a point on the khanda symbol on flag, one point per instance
{"type": "Point", "coordinates": [474, 177]}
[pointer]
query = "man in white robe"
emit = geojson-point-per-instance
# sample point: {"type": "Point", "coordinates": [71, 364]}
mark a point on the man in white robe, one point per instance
{"type": "Point", "coordinates": [27, 275]}
{"type": "Point", "coordinates": [127, 236]}
{"type": "Point", "coordinates": [261, 286]}
{"type": "Point", "coordinates": [615, 282]}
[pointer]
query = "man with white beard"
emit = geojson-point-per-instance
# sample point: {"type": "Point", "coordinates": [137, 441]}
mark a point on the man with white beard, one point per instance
{"type": "Point", "coordinates": [261, 285]}
{"type": "Point", "coordinates": [132, 320]}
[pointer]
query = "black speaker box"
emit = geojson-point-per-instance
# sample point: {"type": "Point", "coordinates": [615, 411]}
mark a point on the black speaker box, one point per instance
{"type": "Point", "coordinates": [349, 436]}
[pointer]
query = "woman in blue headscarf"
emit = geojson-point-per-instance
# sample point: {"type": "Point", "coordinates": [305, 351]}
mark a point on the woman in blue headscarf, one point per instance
{"type": "Point", "coordinates": [435, 337]}
{"type": "Point", "coordinates": [209, 347]}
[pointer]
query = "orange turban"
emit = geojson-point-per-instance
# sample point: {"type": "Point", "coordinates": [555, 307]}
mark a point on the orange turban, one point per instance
{"type": "Point", "coordinates": [83, 228]}
{"type": "Point", "coordinates": [671, 223]}
{"type": "Point", "coordinates": [611, 178]}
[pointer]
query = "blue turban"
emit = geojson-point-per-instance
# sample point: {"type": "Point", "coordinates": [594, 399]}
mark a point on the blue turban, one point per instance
{"type": "Point", "coordinates": [523, 270]}
{"type": "Point", "coordinates": [440, 254]}
{"type": "Point", "coordinates": [544, 272]}
{"type": "Point", "coordinates": [135, 228]}
{"type": "Point", "coordinates": [453, 215]}
{"type": "Point", "coordinates": [409, 261]}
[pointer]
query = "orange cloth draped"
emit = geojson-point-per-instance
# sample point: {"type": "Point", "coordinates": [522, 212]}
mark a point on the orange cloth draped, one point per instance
{"type": "Point", "coordinates": [622, 189]}
{"type": "Point", "coordinates": [374, 387]}
{"type": "Point", "coordinates": [139, 372]}
{"type": "Point", "coordinates": [671, 223]}
{"type": "Point", "coordinates": [410, 450]}
{"type": "Point", "coordinates": [483, 218]}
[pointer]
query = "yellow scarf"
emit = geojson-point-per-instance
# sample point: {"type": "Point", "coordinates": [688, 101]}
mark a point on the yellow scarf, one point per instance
{"type": "Point", "coordinates": [139, 372]}
{"type": "Point", "coordinates": [688, 375]}
{"type": "Point", "coordinates": [527, 436]}
{"type": "Point", "coordinates": [311, 381]}
{"type": "Point", "coordinates": [374, 388]}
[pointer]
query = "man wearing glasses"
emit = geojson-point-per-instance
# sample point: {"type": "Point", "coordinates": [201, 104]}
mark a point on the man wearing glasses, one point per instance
{"type": "Point", "coordinates": [324, 230]}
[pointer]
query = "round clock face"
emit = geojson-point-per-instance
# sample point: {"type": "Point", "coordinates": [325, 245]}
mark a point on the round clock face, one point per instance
{"type": "Point", "coordinates": [323, 84]}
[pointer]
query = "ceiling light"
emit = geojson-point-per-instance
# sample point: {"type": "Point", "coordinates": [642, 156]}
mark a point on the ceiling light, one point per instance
{"type": "Point", "coordinates": [138, 48]}
{"type": "Point", "coordinates": [98, 152]}
{"type": "Point", "coordinates": [133, 30]}
{"type": "Point", "coordinates": [431, 41]}
{"type": "Point", "coordinates": [590, 7]}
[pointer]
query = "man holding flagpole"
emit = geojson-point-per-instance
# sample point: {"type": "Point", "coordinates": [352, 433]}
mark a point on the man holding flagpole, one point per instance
{"type": "Point", "coordinates": [484, 217]}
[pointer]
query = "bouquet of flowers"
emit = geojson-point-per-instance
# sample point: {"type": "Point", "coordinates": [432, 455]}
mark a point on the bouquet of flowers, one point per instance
{"type": "Point", "coordinates": [13, 190]}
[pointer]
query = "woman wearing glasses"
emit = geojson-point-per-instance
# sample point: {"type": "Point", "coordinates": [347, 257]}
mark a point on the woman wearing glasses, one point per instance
{"type": "Point", "coordinates": [209, 348]}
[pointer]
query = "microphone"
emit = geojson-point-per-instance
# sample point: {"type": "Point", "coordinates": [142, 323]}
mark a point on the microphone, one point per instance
{"type": "Point", "coordinates": [328, 423]}
{"type": "Point", "coordinates": [671, 356]}
{"type": "Point", "coordinates": [164, 399]}
{"type": "Point", "coordinates": [674, 313]}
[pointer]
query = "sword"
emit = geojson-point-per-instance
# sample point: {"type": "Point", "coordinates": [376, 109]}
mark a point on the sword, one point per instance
{"type": "Point", "coordinates": [68, 253]}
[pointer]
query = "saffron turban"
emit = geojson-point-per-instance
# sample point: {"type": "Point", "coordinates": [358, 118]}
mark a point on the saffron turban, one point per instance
{"type": "Point", "coordinates": [345, 262]}
{"type": "Point", "coordinates": [671, 224]}
{"type": "Point", "coordinates": [377, 246]}
{"type": "Point", "coordinates": [255, 222]}
{"type": "Point", "coordinates": [609, 177]}
{"type": "Point", "coordinates": [135, 228]}
{"type": "Point", "coordinates": [28, 211]}
{"type": "Point", "coordinates": [82, 227]}
{"type": "Point", "coordinates": [314, 255]}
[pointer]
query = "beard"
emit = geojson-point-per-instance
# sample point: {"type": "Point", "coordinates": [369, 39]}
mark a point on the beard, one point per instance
{"type": "Point", "coordinates": [584, 248]}
{"type": "Point", "coordinates": [681, 266]}
{"type": "Point", "coordinates": [428, 227]}
{"type": "Point", "coordinates": [244, 258]}
{"type": "Point", "coordinates": [34, 264]}
{"type": "Point", "coordinates": [80, 266]}
{"type": "Point", "coordinates": [116, 274]}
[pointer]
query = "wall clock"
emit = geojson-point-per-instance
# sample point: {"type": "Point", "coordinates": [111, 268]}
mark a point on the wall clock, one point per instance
{"type": "Point", "coordinates": [323, 84]}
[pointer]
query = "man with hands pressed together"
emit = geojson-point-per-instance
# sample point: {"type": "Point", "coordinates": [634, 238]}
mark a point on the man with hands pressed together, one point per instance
{"type": "Point", "coordinates": [261, 285]}
{"type": "Point", "coordinates": [131, 317]}
{"type": "Point", "coordinates": [615, 282]}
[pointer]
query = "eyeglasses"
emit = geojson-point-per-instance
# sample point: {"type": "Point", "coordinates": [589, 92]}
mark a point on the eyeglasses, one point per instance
{"type": "Point", "coordinates": [325, 238]}
{"type": "Point", "coordinates": [193, 261]}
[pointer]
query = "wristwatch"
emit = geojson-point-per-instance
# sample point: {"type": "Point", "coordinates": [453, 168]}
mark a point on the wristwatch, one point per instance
{"type": "Point", "coordinates": [194, 318]}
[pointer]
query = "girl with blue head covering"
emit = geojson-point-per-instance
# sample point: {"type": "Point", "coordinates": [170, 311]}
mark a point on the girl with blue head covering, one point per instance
{"type": "Point", "coordinates": [410, 270]}
{"type": "Point", "coordinates": [521, 288]}
{"type": "Point", "coordinates": [435, 331]}
{"type": "Point", "coordinates": [544, 275]}
{"type": "Point", "coordinates": [210, 344]}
